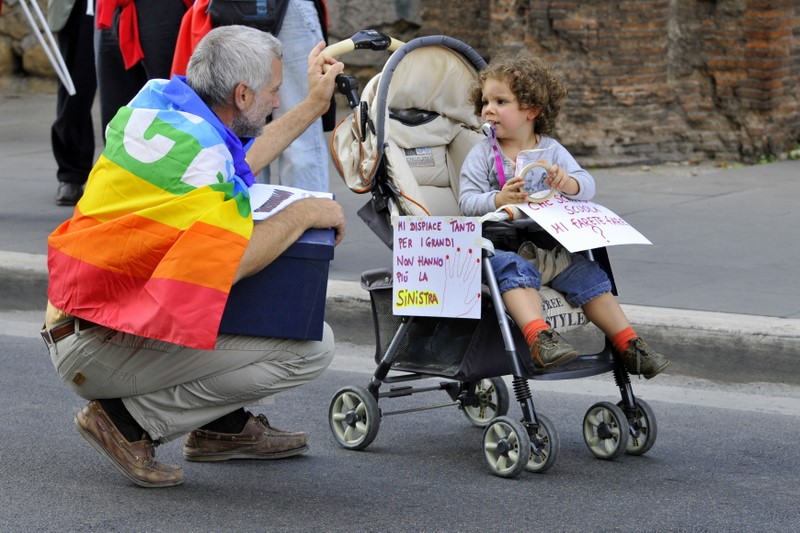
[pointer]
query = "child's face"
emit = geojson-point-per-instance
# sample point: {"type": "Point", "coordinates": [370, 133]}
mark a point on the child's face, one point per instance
{"type": "Point", "coordinates": [501, 108]}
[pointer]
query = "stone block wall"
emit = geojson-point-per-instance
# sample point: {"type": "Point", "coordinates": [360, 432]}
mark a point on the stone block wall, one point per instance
{"type": "Point", "coordinates": [650, 80]}
{"type": "Point", "coordinates": [24, 65]}
{"type": "Point", "coordinates": [667, 80]}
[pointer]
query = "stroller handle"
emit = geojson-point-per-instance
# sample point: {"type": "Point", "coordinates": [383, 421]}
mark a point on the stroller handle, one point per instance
{"type": "Point", "coordinates": [362, 40]}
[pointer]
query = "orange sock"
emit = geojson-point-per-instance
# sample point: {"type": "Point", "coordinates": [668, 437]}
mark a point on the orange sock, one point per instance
{"type": "Point", "coordinates": [532, 328]}
{"type": "Point", "coordinates": [621, 340]}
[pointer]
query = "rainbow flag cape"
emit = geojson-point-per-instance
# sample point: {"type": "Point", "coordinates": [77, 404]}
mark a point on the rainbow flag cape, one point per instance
{"type": "Point", "coordinates": [154, 244]}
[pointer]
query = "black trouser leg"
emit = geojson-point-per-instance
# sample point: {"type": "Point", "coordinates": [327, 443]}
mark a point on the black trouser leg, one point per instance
{"type": "Point", "coordinates": [72, 133]}
{"type": "Point", "coordinates": [159, 23]}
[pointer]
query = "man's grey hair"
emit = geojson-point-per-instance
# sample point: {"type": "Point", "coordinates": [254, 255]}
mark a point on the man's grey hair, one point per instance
{"type": "Point", "coordinates": [227, 56]}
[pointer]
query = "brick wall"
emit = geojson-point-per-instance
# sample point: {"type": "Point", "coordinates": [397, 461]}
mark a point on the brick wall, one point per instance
{"type": "Point", "coordinates": [650, 80]}
{"type": "Point", "coordinates": [467, 21]}
{"type": "Point", "coordinates": [661, 80]}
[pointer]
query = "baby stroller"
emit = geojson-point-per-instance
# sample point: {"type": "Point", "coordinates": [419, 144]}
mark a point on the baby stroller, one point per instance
{"type": "Point", "coordinates": [403, 146]}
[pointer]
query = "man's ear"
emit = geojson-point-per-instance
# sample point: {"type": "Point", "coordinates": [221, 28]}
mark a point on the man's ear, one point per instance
{"type": "Point", "coordinates": [241, 96]}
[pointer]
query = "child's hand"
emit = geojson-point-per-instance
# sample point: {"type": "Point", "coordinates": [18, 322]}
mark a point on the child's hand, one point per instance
{"type": "Point", "coordinates": [560, 180]}
{"type": "Point", "coordinates": [513, 192]}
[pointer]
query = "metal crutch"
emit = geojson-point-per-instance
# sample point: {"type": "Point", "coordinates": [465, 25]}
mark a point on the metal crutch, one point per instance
{"type": "Point", "coordinates": [50, 47]}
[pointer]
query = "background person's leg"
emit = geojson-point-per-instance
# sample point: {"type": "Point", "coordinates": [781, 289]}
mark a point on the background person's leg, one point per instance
{"type": "Point", "coordinates": [72, 133]}
{"type": "Point", "coordinates": [304, 164]}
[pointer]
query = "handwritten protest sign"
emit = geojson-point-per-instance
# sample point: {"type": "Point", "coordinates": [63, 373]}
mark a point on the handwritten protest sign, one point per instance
{"type": "Point", "coordinates": [437, 266]}
{"type": "Point", "coordinates": [581, 225]}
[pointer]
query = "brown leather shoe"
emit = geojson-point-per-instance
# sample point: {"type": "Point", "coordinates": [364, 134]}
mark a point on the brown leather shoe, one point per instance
{"type": "Point", "coordinates": [135, 460]}
{"type": "Point", "coordinates": [258, 440]}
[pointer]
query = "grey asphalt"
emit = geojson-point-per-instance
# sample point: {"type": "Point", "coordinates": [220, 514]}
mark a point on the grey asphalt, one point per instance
{"type": "Point", "coordinates": [718, 290]}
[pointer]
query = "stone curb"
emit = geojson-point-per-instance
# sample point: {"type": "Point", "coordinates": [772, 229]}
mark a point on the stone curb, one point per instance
{"type": "Point", "coordinates": [732, 348]}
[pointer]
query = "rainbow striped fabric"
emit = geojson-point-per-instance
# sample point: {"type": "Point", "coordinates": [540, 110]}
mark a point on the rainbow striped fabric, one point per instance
{"type": "Point", "coordinates": [154, 244]}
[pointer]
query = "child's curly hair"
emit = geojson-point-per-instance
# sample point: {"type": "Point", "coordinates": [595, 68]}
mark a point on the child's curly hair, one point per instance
{"type": "Point", "coordinates": [534, 83]}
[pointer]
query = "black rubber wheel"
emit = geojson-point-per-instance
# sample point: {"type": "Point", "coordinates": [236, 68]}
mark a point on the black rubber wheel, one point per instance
{"type": "Point", "coordinates": [548, 443]}
{"type": "Point", "coordinates": [605, 430]}
{"type": "Point", "coordinates": [493, 402]}
{"type": "Point", "coordinates": [506, 447]}
{"type": "Point", "coordinates": [643, 429]}
{"type": "Point", "coordinates": [354, 417]}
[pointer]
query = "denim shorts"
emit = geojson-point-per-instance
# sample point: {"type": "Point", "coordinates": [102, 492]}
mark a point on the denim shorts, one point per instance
{"type": "Point", "coordinates": [580, 282]}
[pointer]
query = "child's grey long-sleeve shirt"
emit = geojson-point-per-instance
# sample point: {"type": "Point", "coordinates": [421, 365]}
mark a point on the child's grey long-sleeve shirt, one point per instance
{"type": "Point", "coordinates": [479, 183]}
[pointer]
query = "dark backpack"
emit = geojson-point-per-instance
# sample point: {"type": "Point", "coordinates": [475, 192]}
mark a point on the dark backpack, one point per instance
{"type": "Point", "coordinates": [265, 15]}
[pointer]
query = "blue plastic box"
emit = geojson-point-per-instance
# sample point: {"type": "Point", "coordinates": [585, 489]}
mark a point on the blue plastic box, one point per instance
{"type": "Point", "coordinates": [287, 298]}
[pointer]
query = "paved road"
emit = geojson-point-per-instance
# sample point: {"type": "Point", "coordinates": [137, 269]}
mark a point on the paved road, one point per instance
{"type": "Point", "coordinates": [725, 460]}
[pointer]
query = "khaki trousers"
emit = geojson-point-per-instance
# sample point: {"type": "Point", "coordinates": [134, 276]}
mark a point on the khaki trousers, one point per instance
{"type": "Point", "coordinates": [170, 389]}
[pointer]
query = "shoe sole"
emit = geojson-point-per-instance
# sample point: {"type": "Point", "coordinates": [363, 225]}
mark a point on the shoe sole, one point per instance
{"type": "Point", "coordinates": [657, 371]}
{"type": "Point", "coordinates": [97, 445]}
{"type": "Point", "coordinates": [564, 359]}
{"type": "Point", "coordinates": [227, 456]}
{"type": "Point", "coordinates": [68, 203]}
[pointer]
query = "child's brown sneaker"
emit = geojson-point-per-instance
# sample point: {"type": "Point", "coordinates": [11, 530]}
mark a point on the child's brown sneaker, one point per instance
{"type": "Point", "coordinates": [641, 359]}
{"type": "Point", "coordinates": [550, 349]}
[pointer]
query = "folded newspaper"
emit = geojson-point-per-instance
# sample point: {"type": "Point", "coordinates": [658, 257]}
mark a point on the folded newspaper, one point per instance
{"type": "Point", "coordinates": [266, 199]}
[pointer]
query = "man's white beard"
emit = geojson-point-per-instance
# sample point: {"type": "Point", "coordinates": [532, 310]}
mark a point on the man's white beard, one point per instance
{"type": "Point", "coordinates": [244, 125]}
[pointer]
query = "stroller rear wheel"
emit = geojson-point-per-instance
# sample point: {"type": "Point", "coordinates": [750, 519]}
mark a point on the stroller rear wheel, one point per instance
{"type": "Point", "coordinates": [354, 417]}
{"type": "Point", "coordinates": [492, 401]}
{"type": "Point", "coordinates": [506, 447]}
{"type": "Point", "coordinates": [606, 430]}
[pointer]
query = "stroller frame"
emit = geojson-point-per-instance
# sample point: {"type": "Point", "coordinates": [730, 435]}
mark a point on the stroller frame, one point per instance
{"type": "Point", "coordinates": [478, 389]}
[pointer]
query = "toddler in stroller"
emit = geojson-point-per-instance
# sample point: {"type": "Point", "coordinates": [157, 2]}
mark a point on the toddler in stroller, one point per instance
{"type": "Point", "coordinates": [519, 99]}
{"type": "Point", "coordinates": [404, 144]}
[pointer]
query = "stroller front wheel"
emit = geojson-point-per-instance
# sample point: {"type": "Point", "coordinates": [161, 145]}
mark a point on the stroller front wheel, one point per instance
{"type": "Point", "coordinates": [643, 428]}
{"type": "Point", "coordinates": [545, 445]}
{"type": "Point", "coordinates": [606, 430]}
{"type": "Point", "coordinates": [354, 417]}
{"type": "Point", "coordinates": [506, 447]}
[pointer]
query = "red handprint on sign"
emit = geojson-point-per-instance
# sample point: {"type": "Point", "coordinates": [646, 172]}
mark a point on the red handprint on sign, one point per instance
{"type": "Point", "coordinates": [460, 269]}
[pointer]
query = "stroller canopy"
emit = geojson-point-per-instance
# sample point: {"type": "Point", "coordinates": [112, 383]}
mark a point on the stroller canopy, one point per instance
{"type": "Point", "coordinates": [419, 128]}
